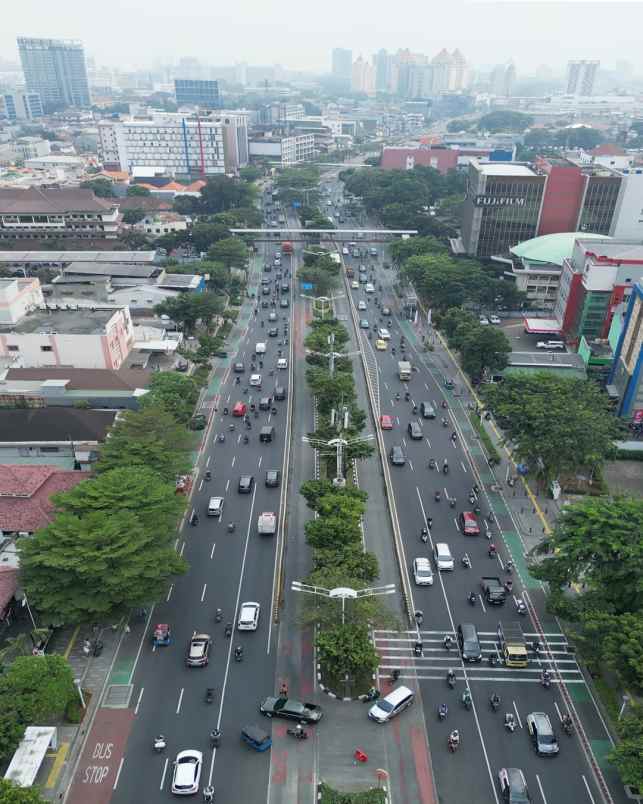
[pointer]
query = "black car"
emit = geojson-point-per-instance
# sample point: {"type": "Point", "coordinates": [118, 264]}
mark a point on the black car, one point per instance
{"type": "Point", "coordinates": [427, 410]}
{"type": "Point", "coordinates": [246, 484]}
{"type": "Point", "coordinates": [469, 643]}
{"type": "Point", "coordinates": [273, 332]}
{"type": "Point", "coordinates": [273, 478]}
{"type": "Point", "coordinates": [285, 287]}
{"type": "Point", "coordinates": [265, 403]}
{"type": "Point", "coordinates": [265, 290]}
{"type": "Point", "coordinates": [291, 709]}
{"type": "Point", "coordinates": [265, 280]}
{"type": "Point", "coordinates": [397, 455]}
{"type": "Point", "coordinates": [264, 304]}
{"type": "Point", "coordinates": [280, 393]}
{"type": "Point", "coordinates": [239, 368]}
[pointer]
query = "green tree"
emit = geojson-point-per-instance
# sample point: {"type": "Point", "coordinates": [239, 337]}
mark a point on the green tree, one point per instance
{"type": "Point", "coordinates": [612, 641]}
{"type": "Point", "coordinates": [205, 235]}
{"type": "Point", "coordinates": [627, 756]}
{"type": "Point", "coordinates": [222, 193]}
{"type": "Point", "coordinates": [176, 393]}
{"type": "Point", "coordinates": [39, 687]}
{"type": "Point", "coordinates": [347, 649]}
{"type": "Point", "coordinates": [136, 189]}
{"type": "Point", "coordinates": [579, 137]}
{"type": "Point", "coordinates": [149, 438]}
{"type": "Point", "coordinates": [484, 349]}
{"type": "Point", "coordinates": [186, 204]}
{"type": "Point", "coordinates": [348, 560]}
{"type": "Point", "coordinates": [133, 216]}
{"type": "Point", "coordinates": [597, 542]}
{"type": "Point", "coordinates": [313, 492]}
{"type": "Point", "coordinates": [189, 308]}
{"type": "Point", "coordinates": [455, 319]}
{"type": "Point", "coordinates": [101, 187]}
{"type": "Point", "coordinates": [402, 250]}
{"type": "Point", "coordinates": [10, 793]}
{"type": "Point", "coordinates": [504, 121]}
{"type": "Point", "coordinates": [230, 251]}
{"type": "Point", "coordinates": [558, 425]}
{"type": "Point", "coordinates": [250, 173]}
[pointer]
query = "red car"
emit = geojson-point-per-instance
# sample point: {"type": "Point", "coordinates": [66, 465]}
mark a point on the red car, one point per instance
{"type": "Point", "coordinates": [239, 409]}
{"type": "Point", "coordinates": [386, 422]}
{"type": "Point", "coordinates": [469, 524]}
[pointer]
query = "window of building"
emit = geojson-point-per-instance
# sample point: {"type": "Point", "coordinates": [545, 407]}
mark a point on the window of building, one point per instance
{"type": "Point", "coordinates": [46, 348]}
{"type": "Point", "coordinates": [13, 348]}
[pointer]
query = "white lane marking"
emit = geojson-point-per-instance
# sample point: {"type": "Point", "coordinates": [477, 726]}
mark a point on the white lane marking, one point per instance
{"type": "Point", "coordinates": [482, 603]}
{"type": "Point", "coordinates": [214, 544]}
{"type": "Point", "coordinates": [169, 593]}
{"type": "Point", "coordinates": [589, 792]}
{"type": "Point", "coordinates": [182, 549]}
{"type": "Point", "coordinates": [138, 701]}
{"type": "Point", "coordinates": [234, 458]}
{"type": "Point", "coordinates": [205, 586]}
{"type": "Point", "coordinates": [227, 485]}
{"type": "Point", "coordinates": [464, 468]}
{"type": "Point", "coordinates": [118, 772]}
{"type": "Point", "coordinates": [207, 463]}
{"type": "Point", "coordinates": [426, 386]}
{"type": "Point", "coordinates": [165, 764]}
{"type": "Point", "coordinates": [260, 459]}
{"type": "Point", "coordinates": [404, 443]}
{"type": "Point", "coordinates": [176, 544]}
{"type": "Point", "coordinates": [411, 465]}
{"type": "Point", "coordinates": [201, 485]}
{"type": "Point", "coordinates": [517, 714]}
{"type": "Point", "coordinates": [178, 706]}
{"type": "Point", "coordinates": [540, 787]}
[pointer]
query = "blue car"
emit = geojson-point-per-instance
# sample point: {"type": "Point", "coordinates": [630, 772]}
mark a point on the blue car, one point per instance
{"type": "Point", "coordinates": [256, 738]}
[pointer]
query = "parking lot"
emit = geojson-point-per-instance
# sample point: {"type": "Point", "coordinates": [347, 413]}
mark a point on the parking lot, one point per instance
{"type": "Point", "coordinates": [520, 341]}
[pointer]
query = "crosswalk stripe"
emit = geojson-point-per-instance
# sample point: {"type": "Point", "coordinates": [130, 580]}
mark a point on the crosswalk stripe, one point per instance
{"type": "Point", "coordinates": [420, 677]}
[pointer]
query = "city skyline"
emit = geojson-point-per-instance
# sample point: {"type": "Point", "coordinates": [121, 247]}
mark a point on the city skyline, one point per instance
{"type": "Point", "coordinates": [477, 33]}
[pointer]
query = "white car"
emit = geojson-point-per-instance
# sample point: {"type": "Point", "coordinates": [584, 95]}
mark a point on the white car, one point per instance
{"type": "Point", "coordinates": [345, 251]}
{"type": "Point", "coordinates": [370, 288]}
{"type": "Point", "coordinates": [355, 284]}
{"type": "Point", "coordinates": [255, 380]}
{"type": "Point", "coordinates": [248, 616]}
{"type": "Point", "coordinates": [384, 334]}
{"type": "Point", "coordinates": [422, 572]}
{"type": "Point", "coordinates": [484, 321]}
{"type": "Point", "coordinates": [187, 772]}
{"type": "Point", "coordinates": [494, 319]}
{"type": "Point", "coordinates": [282, 363]}
{"type": "Point", "coordinates": [442, 556]}
{"type": "Point", "coordinates": [361, 305]}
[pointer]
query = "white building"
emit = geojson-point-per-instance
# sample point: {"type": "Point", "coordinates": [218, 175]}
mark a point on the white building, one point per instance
{"type": "Point", "coordinates": [17, 297]}
{"type": "Point", "coordinates": [627, 221]}
{"type": "Point", "coordinates": [581, 75]}
{"type": "Point", "coordinates": [284, 150]}
{"type": "Point", "coordinates": [177, 144]}
{"type": "Point", "coordinates": [162, 223]}
{"type": "Point", "coordinates": [21, 105]}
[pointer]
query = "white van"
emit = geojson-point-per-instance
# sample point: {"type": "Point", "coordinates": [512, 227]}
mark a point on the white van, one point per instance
{"type": "Point", "coordinates": [384, 334]}
{"type": "Point", "coordinates": [391, 705]}
{"type": "Point", "coordinates": [370, 288]}
{"type": "Point", "coordinates": [215, 506]}
{"type": "Point", "coordinates": [442, 556]}
{"type": "Point", "coordinates": [260, 348]}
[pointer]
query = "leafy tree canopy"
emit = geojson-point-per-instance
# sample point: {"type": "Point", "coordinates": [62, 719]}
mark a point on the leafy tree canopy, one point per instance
{"type": "Point", "coordinates": [188, 308]}
{"type": "Point", "coordinates": [10, 793]}
{"type": "Point", "coordinates": [38, 688]}
{"type": "Point", "coordinates": [132, 216]}
{"type": "Point", "coordinates": [136, 189]}
{"type": "Point", "coordinates": [231, 251]}
{"type": "Point", "coordinates": [176, 393]}
{"type": "Point", "coordinates": [101, 187]}
{"type": "Point", "coordinates": [347, 649]}
{"type": "Point", "coordinates": [505, 121]}
{"type": "Point", "coordinates": [627, 756]}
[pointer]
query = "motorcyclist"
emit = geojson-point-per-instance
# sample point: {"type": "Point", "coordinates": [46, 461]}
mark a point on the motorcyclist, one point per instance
{"type": "Point", "coordinates": [454, 740]}
{"type": "Point", "coordinates": [238, 653]}
{"type": "Point", "coordinates": [431, 463]}
{"type": "Point", "coordinates": [397, 396]}
{"type": "Point", "coordinates": [567, 723]}
{"type": "Point", "coordinates": [218, 615]}
{"type": "Point", "coordinates": [445, 423]}
{"type": "Point", "coordinates": [492, 550]}
{"type": "Point", "coordinates": [429, 521]}
{"type": "Point", "coordinates": [424, 535]}
{"type": "Point", "coordinates": [245, 438]}
{"type": "Point", "coordinates": [466, 697]}
{"type": "Point", "coordinates": [215, 737]}
{"type": "Point", "coordinates": [228, 630]}
{"type": "Point", "coordinates": [494, 700]}
{"type": "Point", "coordinates": [415, 409]}
{"type": "Point", "coordinates": [451, 678]}
{"type": "Point", "coordinates": [444, 404]}
{"type": "Point", "coordinates": [438, 495]}
{"type": "Point", "coordinates": [510, 721]}
{"type": "Point", "coordinates": [407, 396]}
{"type": "Point", "coordinates": [160, 742]}
{"type": "Point", "coordinates": [448, 641]}
{"type": "Point", "coordinates": [472, 598]}
{"type": "Point", "coordinates": [466, 561]}
{"type": "Point", "coordinates": [443, 711]}
{"type": "Point", "coordinates": [208, 794]}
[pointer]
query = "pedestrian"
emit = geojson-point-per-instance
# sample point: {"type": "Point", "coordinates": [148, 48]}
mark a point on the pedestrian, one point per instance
{"type": "Point", "coordinates": [283, 690]}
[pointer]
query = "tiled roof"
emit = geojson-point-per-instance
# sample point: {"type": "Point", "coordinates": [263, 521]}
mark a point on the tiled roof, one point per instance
{"type": "Point", "coordinates": [35, 200]}
{"type": "Point", "coordinates": [8, 586]}
{"type": "Point", "coordinates": [86, 379]}
{"type": "Point", "coordinates": [148, 203]}
{"type": "Point", "coordinates": [607, 149]}
{"type": "Point", "coordinates": [25, 493]}
{"type": "Point", "coordinates": [196, 186]}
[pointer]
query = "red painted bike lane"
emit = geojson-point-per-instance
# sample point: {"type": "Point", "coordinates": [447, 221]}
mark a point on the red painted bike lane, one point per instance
{"type": "Point", "coordinates": [101, 759]}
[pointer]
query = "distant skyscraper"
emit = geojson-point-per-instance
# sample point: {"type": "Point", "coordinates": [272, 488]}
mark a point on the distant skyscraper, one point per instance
{"type": "Point", "coordinates": [382, 71]}
{"type": "Point", "coordinates": [581, 76]}
{"type": "Point", "coordinates": [342, 63]}
{"type": "Point", "coordinates": [363, 77]}
{"type": "Point", "coordinates": [191, 92]}
{"type": "Point", "coordinates": [502, 79]}
{"type": "Point", "coordinates": [55, 68]}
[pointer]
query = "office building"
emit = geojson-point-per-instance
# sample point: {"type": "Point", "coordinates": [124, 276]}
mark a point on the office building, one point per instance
{"type": "Point", "coordinates": [581, 75]}
{"type": "Point", "coordinates": [283, 150]}
{"type": "Point", "coordinates": [419, 81]}
{"type": "Point", "coordinates": [18, 106]}
{"type": "Point", "coordinates": [501, 208]}
{"type": "Point", "coordinates": [176, 144]}
{"type": "Point", "coordinates": [191, 92]}
{"type": "Point", "coordinates": [627, 368]}
{"type": "Point", "coordinates": [502, 79]}
{"type": "Point", "coordinates": [342, 64]}
{"type": "Point", "coordinates": [52, 214]}
{"type": "Point", "coordinates": [363, 77]}
{"type": "Point", "coordinates": [55, 69]}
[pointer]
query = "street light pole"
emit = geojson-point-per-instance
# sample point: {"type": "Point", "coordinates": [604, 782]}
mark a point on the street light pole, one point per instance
{"type": "Point", "coordinates": [343, 593]}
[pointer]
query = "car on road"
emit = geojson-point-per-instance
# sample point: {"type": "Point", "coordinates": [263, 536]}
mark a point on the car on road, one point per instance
{"type": "Point", "coordinates": [469, 643]}
{"type": "Point", "coordinates": [291, 709]}
{"type": "Point", "coordinates": [272, 478]}
{"type": "Point", "coordinates": [272, 316]}
{"type": "Point", "coordinates": [513, 787]}
{"type": "Point", "coordinates": [354, 284]}
{"type": "Point", "coordinates": [284, 302]}
{"type": "Point", "coordinates": [495, 320]}
{"type": "Point", "coordinates": [215, 506]}
{"type": "Point", "coordinates": [361, 305]}
{"type": "Point", "coordinates": [386, 311]}
{"type": "Point", "coordinates": [370, 287]}
{"type": "Point", "coordinates": [364, 323]}
{"type": "Point", "coordinates": [362, 279]}
{"type": "Point", "coordinates": [282, 363]}
{"type": "Point", "coordinates": [265, 403]}
{"type": "Point", "coordinates": [553, 345]}
{"type": "Point", "coordinates": [397, 456]}
{"type": "Point", "coordinates": [265, 290]}
{"type": "Point", "coordinates": [280, 393]}
{"type": "Point", "coordinates": [186, 772]}
{"type": "Point", "coordinates": [198, 653]}
{"type": "Point", "coordinates": [249, 616]}
{"type": "Point", "coordinates": [239, 368]}
{"type": "Point", "coordinates": [380, 345]}
{"type": "Point", "coordinates": [414, 431]}
{"type": "Point", "coordinates": [442, 557]}
{"type": "Point", "coordinates": [391, 705]}
{"type": "Point", "coordinates": [484, 321]}
{"type": "Point", "coordinates": [246, 484]}
{"type": "Point", "coordinates": [240, 409]}
{"type": "Point", "coordinates": [542, 734]}
{"type": "Point", "coordinates": [273, 332]}
{"type": "Point", "coordinates": [427, 410]}
{"type": "Point", "coordinates": [384, 334]}
{"type": "Point", "coordinates": [255, 380]}
{"type": "Point", "coordinates": [386, 422]}
{"type": "Point", "coordinates": [264, 304]}
{"type": "Point", "coordinates": [469, 524]}
{"type": "Point", "coordinates": [344, 251]}
{"type": "Point", "coordinates": [422, 572]}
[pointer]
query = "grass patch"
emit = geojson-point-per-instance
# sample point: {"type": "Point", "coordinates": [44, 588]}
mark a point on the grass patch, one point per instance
{"type": "Point", "coordinates": [327, 795]}
{"type": "Point", "coordinates": [485, 439]}
{"type": "Point", "coordinates": [609, 697]}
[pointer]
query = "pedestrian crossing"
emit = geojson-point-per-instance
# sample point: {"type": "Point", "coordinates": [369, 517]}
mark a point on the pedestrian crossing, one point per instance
{"type": "Point", "coordinates": [395, 649]}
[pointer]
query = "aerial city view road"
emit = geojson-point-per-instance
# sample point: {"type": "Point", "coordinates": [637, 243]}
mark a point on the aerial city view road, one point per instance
{"type": "Point", "coordinates": [320, 443]}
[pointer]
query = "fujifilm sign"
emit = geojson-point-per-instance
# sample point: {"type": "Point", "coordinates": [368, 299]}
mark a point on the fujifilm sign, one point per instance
{"type": "Point", "coordinates": [499, 201]}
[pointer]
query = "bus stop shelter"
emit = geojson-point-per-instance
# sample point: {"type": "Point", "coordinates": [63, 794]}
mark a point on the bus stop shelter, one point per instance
{"type": "Point", "coordinates": [26, 762]}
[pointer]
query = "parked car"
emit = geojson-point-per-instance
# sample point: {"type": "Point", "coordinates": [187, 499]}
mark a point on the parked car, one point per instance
{"type": "Point", "coordinates": [291, 709]}
{"type": "Point", "coordinates": [391, 705]}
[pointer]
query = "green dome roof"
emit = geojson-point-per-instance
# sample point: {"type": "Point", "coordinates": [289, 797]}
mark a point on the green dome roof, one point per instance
{"type": "Point", "coordinates": [551, 248]}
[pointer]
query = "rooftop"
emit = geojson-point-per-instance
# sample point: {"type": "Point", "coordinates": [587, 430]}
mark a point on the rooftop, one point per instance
{"type": "Point", "coordinates": [29, 257]}
{"type": "Point", "coordinates": [180, 281]}
{"type": "Point", "coordinates": [551, 249]}
{"type": "Point", "coordinates": [25, 493]}
{"type": "Point", "coordinates": [58, 425]}
{"type": "Point", "coordinates": [36, 200]}
{"type": "Point", "coordinates": [84, 379]}
{"type": "Point", "coordinates": [613, 252]}
{"type": "Point", "coordinates": [69, 322]}
{"type": "Point", "coordinates": [504, 169]}
{"type": "Point", "coordinates": [112, 269]}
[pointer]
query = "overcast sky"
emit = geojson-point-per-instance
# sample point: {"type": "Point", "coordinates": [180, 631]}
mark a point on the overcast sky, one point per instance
{"type": "Point", "coordinates": [300, 34]}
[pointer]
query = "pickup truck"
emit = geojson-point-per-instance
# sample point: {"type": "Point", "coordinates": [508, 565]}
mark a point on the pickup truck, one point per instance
{"type": "Point", "coordinates": [493, 590]}
{"type": "Point", "coordinates": [267, 524]}
{"type": "Point", "coordinates": [512, 644]}
{"type": "Point", "coordinates": [291, 709]}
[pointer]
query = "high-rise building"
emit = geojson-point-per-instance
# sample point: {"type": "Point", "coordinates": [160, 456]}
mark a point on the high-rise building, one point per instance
{"type": "Point", "coordinates": [363, 77]}
{"type": "Point", "coordinates": [383, 66]}
{"type": "Point", "coordinates": [459, 73]}
{"type": "Point", "coordinates": [502, 79]}
{"type": "Point", "coordinates": [420, 81]}
{"type": "Point", "coordinates": [192, 92]}
{"type": "Point", "coordinates": [342, 63]}
{"type": "Point", "coordinates": [581, 75]}
{"type": "Point", "coordinates": [55, 69]}
{"type": "Point", "coordinates": [22, 106]}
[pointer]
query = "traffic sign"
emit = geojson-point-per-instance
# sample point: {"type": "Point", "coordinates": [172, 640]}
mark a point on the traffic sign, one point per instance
{"type": "Point", "coordinates": [307, 286]}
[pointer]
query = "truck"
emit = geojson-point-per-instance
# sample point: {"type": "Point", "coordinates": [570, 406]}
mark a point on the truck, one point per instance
{"type": "Point", "coordinates": [286, 247]}
{"type": "Point", "coordinates": [512, 644]}
{"type": "Point", "coordinates": [267, 524]}
{"type": "Point", "coordinates": [493, 590]}
{"type": "Point", "coordinates": [404, 370]}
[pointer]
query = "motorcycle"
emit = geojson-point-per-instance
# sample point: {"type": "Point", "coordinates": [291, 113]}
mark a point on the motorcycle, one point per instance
{"type": "Point", "coordinates": [443, 711]}
{"type": "Point", "coordinates": [372, 695]}
{"type": "Point", "coordinates": [451, 679]}
{"type": "Point", "coordinates": [208, 474]}
{"type": "Point", "coordinates": [437, 496]}
{"type": "Point", "coordinates": [472, 499]}
{"type": "Point", "coordinates": [510, 722]}
{"type": "Point", "coordinates": [521, 608]}
{"type": "Point", "coordinates": [159, 744]}
{"type": "Point", "coordinates": [568, 726]}
{"type": "Point", "coordinates": [431, 463]}
{"type": "Point", "coordinates": [454, 741]}
{"type": "Point", "coordinates": [466, 561]}
{"type": "Point", "coordinates": [448, 642]}
{"type": "Point", "coordinates": [445, 423]}
{"type": "Point", "coordinates": [418, 649]}
{"type": "Point", "coordinates": [472, 599]}
{"type": "Point", "coordinates": [209, 695]}
{"type": "Point", "coordinates": [218, 615]}
{"type": "Point", "coordinates": [238, 654]}
{"type": "Point", "coordinates": [452, 502]}
{"type": "Point", "coordinates": [494, 702]}
{"type": "Point", "coordinates": [424, 536]}
{"type": "Point", "coordinates": [298, 733]}
{"type": "Point", "coordinates": [509, 586]}
{"type": "Point", "coordinates": [466, 700]}
{"type": "Point", "coordinates": [228, 630]}
{"type": "Point", "coordinates": [445, 468]}
{"type": "Point", "coordinates": [545, 679]}
{"type": "Point", "coordinates": [215, 738]}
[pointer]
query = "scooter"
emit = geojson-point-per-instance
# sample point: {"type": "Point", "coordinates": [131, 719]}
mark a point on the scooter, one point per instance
{"type": "Point", "coordinates": [443, 711]}
{"type": "Point", "coordinates": [466, 561]}
{"type": "Point", "coordinates": [424, 536]}
{"type": "Point", "coordinates": [510, 722]}
{"type": "Point", "coordinates": [298, 733]}
{"type": "Point", "coordinates": [452, 502]}
{"type": "Point", "coordinates": [372, 695]}
{"type": "Point", "coordinates": [445, 468]}
{"type": "Point", "coordinates": [568, 726]}
{"type": "Point", "coordinates": [521, 608]}
{"type": "Point", "coordinates": [209, 695]}
{"type": "Point", "coordinates": [160, 744]}
{"type": "Point", "coordinates": [218, 615]}
{"type": "Point", "coordinates": [451, 679]}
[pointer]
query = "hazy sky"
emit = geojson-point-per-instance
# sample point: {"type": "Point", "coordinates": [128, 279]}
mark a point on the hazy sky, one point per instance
{"type": "Point", "coordinates": [300, 34]}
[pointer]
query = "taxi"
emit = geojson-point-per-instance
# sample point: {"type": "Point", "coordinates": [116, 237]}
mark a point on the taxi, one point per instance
{"type": "Point", "coordinates": [239, 409]}
{"type": "Point", "coordinates": [386, 422]}
{"type": "Point", "coordinates": [380, 345]}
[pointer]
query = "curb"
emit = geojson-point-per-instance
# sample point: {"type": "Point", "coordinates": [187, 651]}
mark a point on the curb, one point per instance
{"type": "Point", "coordinates": [383, 788]}
{"type": "Point", "coordinates": [327, 691]}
